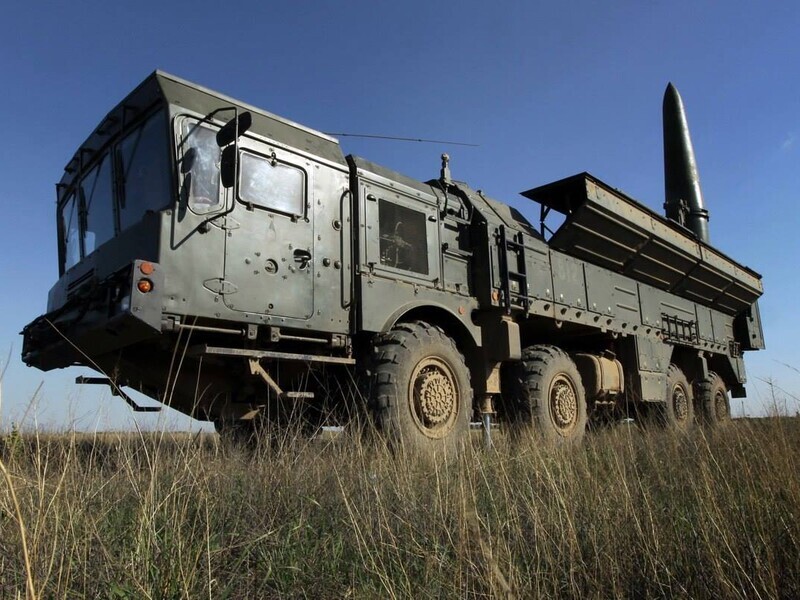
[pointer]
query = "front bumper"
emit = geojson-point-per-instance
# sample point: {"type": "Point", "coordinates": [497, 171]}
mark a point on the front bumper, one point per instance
{"type": "Point", "coordinates": [98, 318]}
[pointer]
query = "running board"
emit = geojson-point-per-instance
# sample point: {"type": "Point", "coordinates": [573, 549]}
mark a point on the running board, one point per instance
{"type": "Point", "coordinates": [203, 350]}
{"type": "Point", "coordinates": [116, 391]}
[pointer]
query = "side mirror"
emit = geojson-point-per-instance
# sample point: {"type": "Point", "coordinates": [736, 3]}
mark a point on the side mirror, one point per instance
{"type": "Point", "coordinates": [227, 167]}
{"type": "Point", "coordinates": [233, 129]}
{"type": "Point", "coordinates": [188, 160]}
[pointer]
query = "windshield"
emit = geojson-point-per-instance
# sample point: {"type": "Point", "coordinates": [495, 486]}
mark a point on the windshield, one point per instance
{"type": "Point", "coordinates": [129, 180]}
{"type": "Point", "coordinates": [96, 192]}
{"type": "Point", "coordinates": [71, 232]}
{"type": "Point", "coordinates": [143, 161]}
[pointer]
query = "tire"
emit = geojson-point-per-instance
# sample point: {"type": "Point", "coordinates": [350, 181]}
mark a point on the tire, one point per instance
{"type": "Point", "coordinates": [420, 392]}
{"type": "Point", "coordinates": [551, 398]}
{"type": "Point", "coordinates": [713, 405]}
{"type": "Point", "coordinates": [677, 412]}
{"type": "Point", "coordinates": [235, 432]}
{"type": "Point", "coordinates": [263, 430]}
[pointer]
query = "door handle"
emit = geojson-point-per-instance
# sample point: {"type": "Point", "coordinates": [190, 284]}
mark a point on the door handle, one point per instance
{"type": "Point", "coordinates": [301, 258]}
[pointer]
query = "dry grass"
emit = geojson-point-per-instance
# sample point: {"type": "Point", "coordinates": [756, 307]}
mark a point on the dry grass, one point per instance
{"type": "Point", "coordinates": [629, 514]}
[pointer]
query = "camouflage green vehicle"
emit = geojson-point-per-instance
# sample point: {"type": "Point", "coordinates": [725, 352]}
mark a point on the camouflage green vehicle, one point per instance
{"type": "Point", "coordinates": [239, 267]}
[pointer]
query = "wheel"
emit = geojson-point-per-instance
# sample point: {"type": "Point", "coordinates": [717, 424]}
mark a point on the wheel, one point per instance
{"type": "Point", "coordinates": [712, 400]}
{"type": "Point", "coordinates": [551, 397]}
{"type": "Point", "coordinates": [235, 431]}
{"type": "Point", "coordinates": [420, 395]}
{"type": "Point", "coordinates": [677, 412]}
{"type": "Point", "coordinates": [272, 426]}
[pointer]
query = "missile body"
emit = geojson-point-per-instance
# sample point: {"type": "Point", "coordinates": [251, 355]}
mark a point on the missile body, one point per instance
{"type": "Point", "coordinates": [683, 196]}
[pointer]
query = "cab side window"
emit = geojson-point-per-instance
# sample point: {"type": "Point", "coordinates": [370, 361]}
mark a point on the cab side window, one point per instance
{"type": "Point", "coordinates": [272, 184]}
{"type": "Point", "coordinates": [200, 167]}
{"type": "Point", "coordinates": [403, 241]}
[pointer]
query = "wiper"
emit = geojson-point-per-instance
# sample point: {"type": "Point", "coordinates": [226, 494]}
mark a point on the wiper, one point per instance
{"type": "Point", "coordinates": [83, 215]}
{"type": "Point", "coordinates": [119, 178]}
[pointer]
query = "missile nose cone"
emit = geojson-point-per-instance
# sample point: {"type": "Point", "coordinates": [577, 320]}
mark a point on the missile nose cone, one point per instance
{"type": "Point", "coordinates": [673, 104]}
{"type": "Point", "coordinates": [684, 199]}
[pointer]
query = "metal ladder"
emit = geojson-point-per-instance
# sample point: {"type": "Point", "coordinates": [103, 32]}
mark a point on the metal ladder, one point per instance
{"type": "Point", "coordinates": [515, 244]}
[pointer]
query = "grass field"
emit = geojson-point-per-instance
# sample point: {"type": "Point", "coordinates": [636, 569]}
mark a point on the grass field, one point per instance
{"type": "Point", "coordinates": [628, 514]}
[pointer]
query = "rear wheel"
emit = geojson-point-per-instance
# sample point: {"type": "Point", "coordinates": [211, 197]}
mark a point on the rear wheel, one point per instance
{"type": "Point", "coordinates": [712, 400]}
{"type": "Point", "coordinates": [421, 395]}
{"type": "Point", "coordinates": [551, 397]}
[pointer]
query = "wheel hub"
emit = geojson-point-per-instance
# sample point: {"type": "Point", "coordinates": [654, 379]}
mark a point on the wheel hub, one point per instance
{"type": "Point", "coordinates": [435, 397]}
{"type": "Point", "coordinates": [721, 406]}
{"type": "Point", "coordinates": [680, 403]}
{"type": "Point", "coordinates": [563, 403]}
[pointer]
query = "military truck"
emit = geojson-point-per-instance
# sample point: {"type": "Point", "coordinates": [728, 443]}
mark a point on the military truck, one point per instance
{"type": "Point", "coordinates": [238, 267]}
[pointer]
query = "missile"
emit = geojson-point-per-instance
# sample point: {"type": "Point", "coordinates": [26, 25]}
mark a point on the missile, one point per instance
{"type": "Point", "coordinates": [683, 196]}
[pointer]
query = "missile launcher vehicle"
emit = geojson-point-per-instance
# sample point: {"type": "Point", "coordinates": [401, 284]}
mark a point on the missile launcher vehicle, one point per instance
{"type": "Point", "coordinates": [239, 268]}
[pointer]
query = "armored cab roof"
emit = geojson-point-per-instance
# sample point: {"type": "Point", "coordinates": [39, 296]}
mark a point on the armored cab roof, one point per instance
{"type": "Point", "coordinates": [161, 88]}
{"type": "Point", "coordinates": [367, 166]}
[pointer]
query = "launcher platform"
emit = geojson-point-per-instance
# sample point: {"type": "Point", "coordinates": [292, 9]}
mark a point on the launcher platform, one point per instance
{"type": "Point", "coordinates": [612, 230]}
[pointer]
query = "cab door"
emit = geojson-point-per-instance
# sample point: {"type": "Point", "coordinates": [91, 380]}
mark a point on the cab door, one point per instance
{"type": "Point", "coordinates": [196, 236]}
{"type": "Point", "coordinates": [269, 250]}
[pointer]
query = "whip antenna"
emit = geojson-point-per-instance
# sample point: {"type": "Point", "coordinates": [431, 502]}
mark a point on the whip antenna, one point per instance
{"type": "Point", "coordinates": [400, 139]}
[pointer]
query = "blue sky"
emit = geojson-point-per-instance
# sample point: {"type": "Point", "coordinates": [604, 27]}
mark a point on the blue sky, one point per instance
{"type": "Point", "coordinates": [546, 90]}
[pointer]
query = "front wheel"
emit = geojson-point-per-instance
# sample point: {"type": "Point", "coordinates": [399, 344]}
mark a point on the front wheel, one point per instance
{"type": "Point", "coordinates": [235, 431]}
{"type": "Point", "coordinates": [421, 395]}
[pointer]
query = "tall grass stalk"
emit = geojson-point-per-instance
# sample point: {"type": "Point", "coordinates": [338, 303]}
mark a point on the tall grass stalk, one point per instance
{"type": "Point", "coordinates": [628, 514]}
